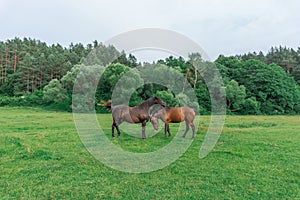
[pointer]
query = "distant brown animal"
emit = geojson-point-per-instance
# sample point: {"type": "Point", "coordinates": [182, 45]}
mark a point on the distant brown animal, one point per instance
{"type": "Point", "coordinates": [107, 104]}
{"type": "Point", "coordinates": [175, 115]}
{"type": "Point", "coordinates": [136, 114]}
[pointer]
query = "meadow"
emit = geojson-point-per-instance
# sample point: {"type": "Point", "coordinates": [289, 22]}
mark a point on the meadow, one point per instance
{"type": "Point", "coordinates": [42, 157]}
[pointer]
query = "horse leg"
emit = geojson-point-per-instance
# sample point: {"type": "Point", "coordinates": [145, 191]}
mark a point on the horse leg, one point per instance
{"type": "Point", "coordinates": [168, 129]}
{"type": "Point", "coordinates": [144, 129]}
{"type": "Point", "coordinates": [113, 129]}
{"type": "Point", "coordinates": [115, 125]}
{"type": "Point", "coordinates": [119, 133]}
{"type": "Point", "coordinates": [193, 128]}
{"type": "Point", "coordinates": [187, 128]}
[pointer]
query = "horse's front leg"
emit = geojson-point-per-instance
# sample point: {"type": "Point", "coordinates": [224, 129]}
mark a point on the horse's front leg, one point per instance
{"type": "Point", "coordinates": [113, 130]}
{"type": "Point", "coordinates": [144, 129]}
{"type": "Point", "coordinates": [166, 128]}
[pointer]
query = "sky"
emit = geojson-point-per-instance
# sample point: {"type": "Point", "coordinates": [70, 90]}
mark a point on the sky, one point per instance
{"type": "Point", "coordinates": [227, 27]}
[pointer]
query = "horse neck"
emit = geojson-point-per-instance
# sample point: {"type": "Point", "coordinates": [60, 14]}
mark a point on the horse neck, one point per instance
{"type": "Point", "coordinates": [161, 114]}
{"type": "Point", "coordinates": [158, 115]}
{"type": "Point", "coordinates": [146, 104]}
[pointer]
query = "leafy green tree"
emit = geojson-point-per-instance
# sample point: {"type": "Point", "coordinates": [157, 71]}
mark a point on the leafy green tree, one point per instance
{"type": "Point", "coordinates": [129, 61]}
{"type": "Point", "coordinates": [282, 56]}
{"type": "Point", "coordinates": [287, 58]}
{"type": "Point", "coordinates": [185, 100]}
{"type": "Point", "coordinates": [203, 97]}
{"type": "Point", "coordinates": [84, 89]}
{"type": "Point", "coordinates": [102, 55]}
{"type": "Point", "coordinates": [24, 74]}
{"type": "Point", "coordinates": [178, 63]}
{"type": "Point", "coordinates": [296, 73]}
{"type": "Point", "coordinates": [8, 87]}
{"type": "Point", "coordinates": [273, 88]}
{"type": "Point", "coordinates": [168, 97]}
{"type": "Point", "coordinates": [126, 86]}
{"type": "Point", "coordinates": [251, 106]}
{"type": "Point", "coordinates": [192, 72]}
{"type": "Point", "coordinates": [30, 64]}
{"type": "Point", "coordinates": [108, 80]}
{"type": "Point", "coordinates": [54, 92]}
{"type": "Point", "coordinates": [235, 95]}
{"type": "Point", "coordinates": [68, 80]}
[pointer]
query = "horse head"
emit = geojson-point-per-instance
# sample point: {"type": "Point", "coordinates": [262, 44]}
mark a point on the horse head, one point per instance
{"type": "Point", "coordinates": [154, 122]}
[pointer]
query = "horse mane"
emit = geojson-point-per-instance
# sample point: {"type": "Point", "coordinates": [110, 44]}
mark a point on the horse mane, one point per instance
{"type": "Point", "coordinates": [147, 102]}
{"type": "Point", "coordinates": [167, 107]}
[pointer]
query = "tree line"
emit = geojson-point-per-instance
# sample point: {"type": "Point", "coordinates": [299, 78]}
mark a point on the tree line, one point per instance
{"type": "Point", "coordinates": [35, 74]}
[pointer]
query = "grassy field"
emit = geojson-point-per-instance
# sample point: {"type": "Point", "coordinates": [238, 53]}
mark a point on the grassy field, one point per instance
{"type": "Point", "coordinates": [42, 157]}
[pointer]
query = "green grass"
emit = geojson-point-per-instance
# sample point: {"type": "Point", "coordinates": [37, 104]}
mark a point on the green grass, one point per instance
{"type": "Point", "coordinates": [42, 157]}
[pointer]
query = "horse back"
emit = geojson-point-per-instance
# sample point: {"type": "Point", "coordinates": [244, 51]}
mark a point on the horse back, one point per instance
{"type": "Point", "coordinates": [120, 113]}
{"type": "Point", "coordinates": [175, 115]}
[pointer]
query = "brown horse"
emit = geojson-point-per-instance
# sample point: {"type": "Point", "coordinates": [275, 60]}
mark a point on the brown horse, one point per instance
{"type": "Point", "coordinates": [175, 115]}
{"type": "Point", "coordinates": [107, 104]}
{"type": "Point", "coordinates": [136, 114]}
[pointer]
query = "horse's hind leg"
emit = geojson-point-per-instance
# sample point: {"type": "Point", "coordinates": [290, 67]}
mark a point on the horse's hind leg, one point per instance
{"type": "Point", "coordinates": [115, 125]}
{"type": "Point", "coordinates": [113, 129]}
{"type": "Point", "coordinates": [119, 133]}
{"type": "Point", "coordinates": [187, 128]}
{"type": "Point", "coordinates": [193, 128]}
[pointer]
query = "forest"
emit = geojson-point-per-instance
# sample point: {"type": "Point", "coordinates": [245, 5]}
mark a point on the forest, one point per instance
{"type": "Point", "coordinates": [33, 73]}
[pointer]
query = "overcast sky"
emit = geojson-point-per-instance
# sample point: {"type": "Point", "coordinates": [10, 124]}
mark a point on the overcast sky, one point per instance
{"type": "Point", "coordinates": [225, 27]}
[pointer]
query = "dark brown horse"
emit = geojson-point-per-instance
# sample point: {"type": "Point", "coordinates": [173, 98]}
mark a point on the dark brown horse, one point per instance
{"type": "Point", "coordinates": [175, 115]}
{"type": "Point", "coordinates": [136, 114]}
